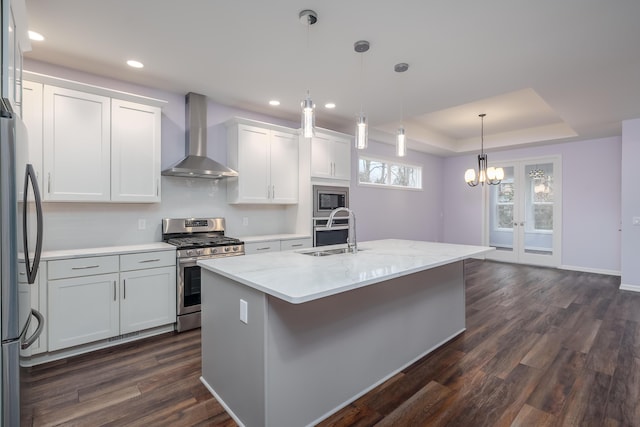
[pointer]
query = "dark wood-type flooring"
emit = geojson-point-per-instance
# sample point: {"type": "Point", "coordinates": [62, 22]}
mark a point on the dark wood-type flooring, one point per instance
{"type": "Point", "coordinates": [543, 347]}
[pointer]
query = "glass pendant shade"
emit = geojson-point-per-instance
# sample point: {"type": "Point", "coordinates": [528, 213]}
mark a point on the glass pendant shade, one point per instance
{"type": "Point", "coordinates": [308, 118]}
{"type": "Point", "coordinates": [362, 132]}
{"type": "Point", "coordinates": [470, 176]}
{"type": "Point", "coordinates": [401, 143]}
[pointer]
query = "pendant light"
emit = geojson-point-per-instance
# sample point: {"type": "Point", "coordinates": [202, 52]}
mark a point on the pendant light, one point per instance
{"type": "Point", "coordinates": [490, 175]}
{"type": "Point", "coordinates": [308, 18]}
{"type": "Point", "coordinates": [401, 139]}
{"type": "Point", "coordinates": [362, 132]}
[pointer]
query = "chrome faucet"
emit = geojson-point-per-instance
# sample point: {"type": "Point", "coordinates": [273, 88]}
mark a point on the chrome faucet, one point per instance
{"type": "Point", "coordinates": [352, 244]}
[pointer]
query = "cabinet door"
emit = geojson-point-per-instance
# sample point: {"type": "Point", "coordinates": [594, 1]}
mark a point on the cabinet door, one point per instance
{"type": "Point", "coordinates": [135, 152]}
{"type": "Point", "coordinates": [341, 154]}
{"type": "Point", "coordinates": [253, 164]}
{"type": "Point", "coordinates": [321, 161]}
{"type": "Point", "coordinates": [82, 310]}
{"type": "Point", "coordinates": [284, 168]}
{"type": "Point", "coordinates": [32, 117]}
{"type": "Point", "coordinates": [76, 137]}
{"type": "Point", "coordinates": [148, 298]}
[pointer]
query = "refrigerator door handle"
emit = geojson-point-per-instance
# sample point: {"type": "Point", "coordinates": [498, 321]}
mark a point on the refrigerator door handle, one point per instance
{"type": "Point", "coordinates": [36, 334]}
{"type": "Point", "coordinates": [32, 269]}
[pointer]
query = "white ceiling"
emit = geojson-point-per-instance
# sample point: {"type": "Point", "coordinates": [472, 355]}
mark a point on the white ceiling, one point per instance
{"type": "Point", "coordinates": [540, 70]}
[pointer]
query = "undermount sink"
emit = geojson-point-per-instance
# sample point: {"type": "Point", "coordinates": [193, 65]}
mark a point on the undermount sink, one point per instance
{"type": "Point", "coordinates": [328, 252]}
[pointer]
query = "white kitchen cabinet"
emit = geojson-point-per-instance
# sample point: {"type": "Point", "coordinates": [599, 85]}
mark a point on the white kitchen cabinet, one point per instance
{"type": "Point", "coordinates": [91, 144]}
{"type": "Point", "coordinates": [266, 158]}
{"type": "Point", "coordinates": [287, 245]}
{"type": "Point", "coordinates": [76, 141]}
{"type": "Point", "coordinates": [135, 152]}
{"type": "Point", "coordinates": [15, 41]}
{"type": "Point", "coordinates": [262, 247]}
{"type": "Point", "coordinates": [330, 156]}
{"type": "Point", "coordinates": [147, 290]}
{"type": "Point", "coordinates": [32, 117]}
{"type": "Point", "coordinates": [100, 297]}
{"type": "Point", "coordinates": [83, 309]}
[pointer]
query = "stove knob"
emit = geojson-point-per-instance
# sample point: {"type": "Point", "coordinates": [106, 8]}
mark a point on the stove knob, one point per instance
{"type": "Point", "coordinates": [189, 252]}
{"type": "Point", "coordinates": [236, 249]}
{"type": "Point", "coordinates": [227, 248]}
{"type": "Point", "coordinates": [200, 251]}
{"type": "Point", "coordinates": [215, 251]}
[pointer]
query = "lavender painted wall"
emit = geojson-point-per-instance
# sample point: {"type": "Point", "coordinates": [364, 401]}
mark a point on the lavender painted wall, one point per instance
{"type": "Point", "coordinates": [591, 207]}
{"type": "Point", "coordinates": [630, 203]}
{"type": "Point", "coordinates": [393, 213]}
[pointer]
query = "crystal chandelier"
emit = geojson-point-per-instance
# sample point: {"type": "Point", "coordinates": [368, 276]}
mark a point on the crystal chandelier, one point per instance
{"type": "Point", "coordinates": [490, 175]}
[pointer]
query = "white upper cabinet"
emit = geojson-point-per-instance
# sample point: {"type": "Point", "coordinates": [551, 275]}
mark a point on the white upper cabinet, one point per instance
{"type": "Point", "coordinates": [90, 144]}
{"type": "Point", "coordinates": [77, 145]}
{"type": "Point", "coordinates": [135, 152]}
{"type": "Point", "coordinates": [266, 159]}
{"type": "Point", "coordinates": [331, 156]}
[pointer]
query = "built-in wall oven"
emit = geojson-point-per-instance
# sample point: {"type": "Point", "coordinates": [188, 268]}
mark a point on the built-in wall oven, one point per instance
{"type": "Point", "coordinates": [195, 239]}
{"type": "Point", "coordinates": [326, 199]}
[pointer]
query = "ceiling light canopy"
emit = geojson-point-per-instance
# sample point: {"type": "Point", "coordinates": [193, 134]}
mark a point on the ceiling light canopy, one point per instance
{"type": "Point", "coordinates": [362, 133]}
{"type": "Point", "coordinates": [490, 175]}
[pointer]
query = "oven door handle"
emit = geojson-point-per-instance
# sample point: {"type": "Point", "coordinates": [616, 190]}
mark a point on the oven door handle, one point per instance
{"type": "Point", "coordinates": [335, 227]}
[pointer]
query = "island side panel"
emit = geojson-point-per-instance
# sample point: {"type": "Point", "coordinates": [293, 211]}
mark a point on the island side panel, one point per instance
{"type": "Point", "coordinates": [325, 353]}
{"type": "Point", "coordinates": [232, 351]}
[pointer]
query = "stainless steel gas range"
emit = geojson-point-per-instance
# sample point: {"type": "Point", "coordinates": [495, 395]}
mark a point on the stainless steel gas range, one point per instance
{"type": "Point", "coordinates": [195, 239]}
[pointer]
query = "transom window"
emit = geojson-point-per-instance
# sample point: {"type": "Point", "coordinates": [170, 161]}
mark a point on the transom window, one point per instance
{"type": "Point", "coordinates": [385, 173]}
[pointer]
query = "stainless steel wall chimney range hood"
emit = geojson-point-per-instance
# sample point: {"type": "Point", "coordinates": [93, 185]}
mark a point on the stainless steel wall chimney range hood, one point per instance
{"type": "Point", "coordinates": [196, 164]}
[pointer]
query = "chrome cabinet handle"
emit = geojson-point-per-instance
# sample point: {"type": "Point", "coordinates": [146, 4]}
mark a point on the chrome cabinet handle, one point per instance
{"type": "Point", "coordinates": [124, 289]}
{"type": "Point", "coordinates": [114, 290]}
{"type": "Point", "coordinates": [49, 183]}
{"type": "Point", "coordinates": [263, 249]}
{"type": "Point", "coordinates": [149, 260]}
{"type": "Point", "coordinates": [296, 245]}
{"type": "Point", "coordinates": [273, 191]}
{"type": "Point", "coordinates": [84, 268]}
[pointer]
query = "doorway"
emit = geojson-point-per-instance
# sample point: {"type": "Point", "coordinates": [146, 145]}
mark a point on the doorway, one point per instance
{"type": "Point", "coordinates": [524, 213]}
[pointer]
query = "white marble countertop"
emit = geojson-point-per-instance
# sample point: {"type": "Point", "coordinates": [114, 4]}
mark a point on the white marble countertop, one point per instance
{"type": "Point", "coordinates": [267, 237]}
{"type": "Point", "coordinates": [107, 250]}
{"type": "Point", "coordinates": [297, 278]}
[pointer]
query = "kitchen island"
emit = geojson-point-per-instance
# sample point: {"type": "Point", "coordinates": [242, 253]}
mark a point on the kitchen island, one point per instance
{"type": "Point", "coordinates": [289, 338]}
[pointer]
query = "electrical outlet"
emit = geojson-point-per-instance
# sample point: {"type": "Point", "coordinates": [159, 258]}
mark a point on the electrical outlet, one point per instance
{"type": "Point", "coordinates": [142, 224]}
{"type": "Point", "coordinates": [245, 221]}
{"type": "Point", "coordinates": [244, 311]}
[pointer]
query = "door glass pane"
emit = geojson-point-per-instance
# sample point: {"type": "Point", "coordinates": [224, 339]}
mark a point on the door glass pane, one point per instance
{"type": "Point", "coordinates": [538, 215]}
{"type": "Point", "coordinates": [501, 198]}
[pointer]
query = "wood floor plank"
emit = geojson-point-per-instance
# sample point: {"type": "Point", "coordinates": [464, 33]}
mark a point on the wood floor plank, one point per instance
{"type": "Point", "coordinates": [542, 347]}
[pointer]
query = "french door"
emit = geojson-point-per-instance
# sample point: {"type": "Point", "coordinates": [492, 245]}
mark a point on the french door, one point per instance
{"type": "Point", "coordinates": [523, 213]}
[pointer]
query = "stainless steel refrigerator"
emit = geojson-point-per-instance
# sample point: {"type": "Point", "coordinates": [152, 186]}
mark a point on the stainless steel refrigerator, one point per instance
{"type": "Point", "coordinates": [20, 210]}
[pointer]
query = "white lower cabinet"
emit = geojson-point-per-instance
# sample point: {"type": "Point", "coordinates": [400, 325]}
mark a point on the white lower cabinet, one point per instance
{"type": "Point", "coordinates": [82, 310]}
{"type": "Point", "coordinates": [147, 298]}
{"type": "Point", "coordinates": [262, 247]}
{"type": "Point", "coordinates": [287, 245]}
{"type": "Point", "coordinates": [129, 293]}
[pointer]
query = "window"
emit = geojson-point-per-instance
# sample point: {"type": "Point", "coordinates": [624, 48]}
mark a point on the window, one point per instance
{"type": "Point", "coordinates": [504, 205]}
{"type": "Point", "coordinates": [389, 174]}
{"type": "Point", "coordinates": [542, 203]}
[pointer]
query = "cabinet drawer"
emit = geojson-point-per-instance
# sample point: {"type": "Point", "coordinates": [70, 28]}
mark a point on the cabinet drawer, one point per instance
{"type": "Point", "coordinates": [78, 267]}
{"type": "Point", "coordinates": [286, 245]}
{"type": "Point", "coordinates": [144, 260]}
{"type": "Point", "coordinates": [262, 247]}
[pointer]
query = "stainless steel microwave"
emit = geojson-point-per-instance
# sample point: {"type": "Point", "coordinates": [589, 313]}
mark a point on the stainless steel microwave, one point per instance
{"type": "Point", "coordinates": [327, 198]}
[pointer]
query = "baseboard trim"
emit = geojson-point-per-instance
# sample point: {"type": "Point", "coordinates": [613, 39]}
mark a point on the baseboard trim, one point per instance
{"type": "Point", "coordinates": [632, 288]}
{"type": "Point", "coordinates": [590, 270]}
{"type": "Point", "coordinates": [221, 402]}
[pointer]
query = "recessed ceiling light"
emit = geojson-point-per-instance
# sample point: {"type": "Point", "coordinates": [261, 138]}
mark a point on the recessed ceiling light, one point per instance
{"type": "Point", "coordinates": [330, 105]}
{"type": "Point", "coordinates": [35, 36]}
{"type": "Point", "coordinates": [274, 102]}
{"type": "Point", "coordinates": [135, 64]}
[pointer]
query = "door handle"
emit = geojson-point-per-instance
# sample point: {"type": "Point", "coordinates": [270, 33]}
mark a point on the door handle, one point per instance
{"type": "Point", "coordinates": [124, 289]}
{"type": "Point", "coordinates": [32, 269]}
{"type": "Point", "coordinates": [114, 290]}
